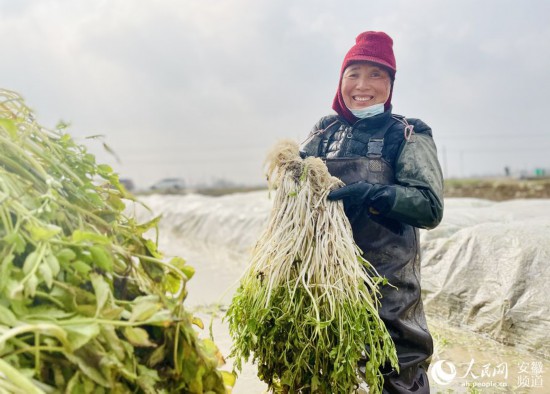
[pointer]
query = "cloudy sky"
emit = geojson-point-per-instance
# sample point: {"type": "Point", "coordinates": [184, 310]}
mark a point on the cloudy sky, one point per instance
{"type": "Point", "coordinates": [201, 89]}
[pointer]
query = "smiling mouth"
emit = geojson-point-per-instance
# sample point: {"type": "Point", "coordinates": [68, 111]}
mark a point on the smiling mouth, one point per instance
{"type": "Point", "coordinates": [363, 99]}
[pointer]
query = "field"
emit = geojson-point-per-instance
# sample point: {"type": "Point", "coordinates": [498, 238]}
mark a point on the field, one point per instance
{"type": "Point", "coordinates": [495, 189]}
{"type": "Point", "coordinates": [498, 189]}
{"type": "Point", "coordinates": [192, 227]}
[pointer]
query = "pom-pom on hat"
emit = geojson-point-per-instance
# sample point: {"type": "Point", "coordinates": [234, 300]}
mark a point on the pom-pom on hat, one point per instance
{"type": "Point", "coordinates": [370, 46]}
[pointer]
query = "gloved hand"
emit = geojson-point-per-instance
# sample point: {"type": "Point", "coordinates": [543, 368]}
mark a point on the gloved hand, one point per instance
{"type": "Point", "coordinates": [378, 198]}
{"type": "Point", "coordinates": [353, 195]}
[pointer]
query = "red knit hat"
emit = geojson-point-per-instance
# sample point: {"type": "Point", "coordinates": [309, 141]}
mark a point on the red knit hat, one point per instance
{"type": "Point", "coordinates": [370, 46]}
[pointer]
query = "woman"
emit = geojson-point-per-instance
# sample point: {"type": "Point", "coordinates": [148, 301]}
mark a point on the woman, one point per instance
{"type": "Point", "coordinates": [393, 187]}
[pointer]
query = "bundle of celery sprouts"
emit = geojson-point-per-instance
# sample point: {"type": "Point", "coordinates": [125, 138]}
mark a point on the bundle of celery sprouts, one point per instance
{"type": "Point", "coordinates": [307, 306]}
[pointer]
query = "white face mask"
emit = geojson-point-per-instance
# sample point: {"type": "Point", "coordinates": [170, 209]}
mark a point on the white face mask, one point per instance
{"type": "Point", "coordinates": [367, 112]}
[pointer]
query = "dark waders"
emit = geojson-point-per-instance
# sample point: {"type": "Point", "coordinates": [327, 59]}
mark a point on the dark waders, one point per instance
{"type": "Point", "coordinates": [393, 249]}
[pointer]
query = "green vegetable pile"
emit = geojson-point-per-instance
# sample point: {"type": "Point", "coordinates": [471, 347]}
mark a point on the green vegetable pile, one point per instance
{"type": "Point", "coordinates": [306, 309]}
{"type": "Point", "coordinates": [87, 303]}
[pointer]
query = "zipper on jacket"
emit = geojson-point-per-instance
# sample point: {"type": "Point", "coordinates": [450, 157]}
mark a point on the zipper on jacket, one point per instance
{"type": "Point", "coordinates": [346, 143]}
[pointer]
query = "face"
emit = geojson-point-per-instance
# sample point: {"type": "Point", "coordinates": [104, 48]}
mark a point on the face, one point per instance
{"type": "Point", "coordinates": [365, 84]}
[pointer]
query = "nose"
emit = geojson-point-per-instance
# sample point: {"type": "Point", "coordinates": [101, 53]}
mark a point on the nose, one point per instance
{"type": "Point", "coordinates": [362, 82]}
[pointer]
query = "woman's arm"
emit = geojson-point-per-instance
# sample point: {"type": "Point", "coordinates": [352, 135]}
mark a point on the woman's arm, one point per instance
{"type": "Point", "coordinates": [419, 183]}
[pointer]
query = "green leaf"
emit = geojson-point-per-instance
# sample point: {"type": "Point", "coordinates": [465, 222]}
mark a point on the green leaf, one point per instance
{"type": "Point", "coordinates": [212, 351]}
{"type": "Point", "coordinates": [112, 341]}
{"type": "Point", "coordinates": [116, 202]}
{"type": "Point", "coordinates": [30, 262]}
{"type": "Point", "coordinates": [162, 318]}
{"type": "Point", "coordinates": [94, 198]}
{"type": "Point", "coordinates": [172, 283]}
{"type": "Point", "coordinates": [102, 291]}
{"type": "Point", "coordinates": [80, 236]}
{"type": "Point", "coordinates": [74, 386]}
{"type": "Point", "coordinates": [178, 262]}
{"type": "Point", "coordinates": [181, 264]}
{"type": "Point", "coordinates": [198, 322]}
{"type": "Point", "coordinates": [87, 364]}
{"type": "Point", "coordinates": [152, 249]}
{"type": "Point", "coordinates": [19, 306]}
{"type": "Point", "coordinates": [53, 263]}
{"type": "Point", "coordinates": [229, 379]}
{"type": "Point", "coordinates": [112, 312]}
{"type": "Point", "coordinates": [192, 372]}
{"type": "Point", "coordinates": [138, 337]}
{"type": "Point", "coordinates": [102, 258]}
{"type": "Point", "coordinates": [104, 169]}
{"type": "Point", "coordinates": [16, 239]}
{"type": "Point", "coordinates": [81, 267]}
{"type": "Point", "coordinates": [42, 312]}
{"type": "Point", "coordinates": [29, 288]}
{"type": "Point", "coordinates": [147, 379]}
{"type": "Point", "coordinates": [188, 271]}
{"type": "Point", "coordinates": [46, 273]}
{"type": "Point", "coordinates": [145, 308]}
{"type": "Point", "coordinates": [7, 317]}
{"type": "Point", "coordinates": [315, 383]}
{"type": "Point", "coordinates": [5, 270]}
{"type": "Point", "coordinates": [158, 355]}
{"type": "Point", "coordinates": [42, 233]}
{"type": "Point", "coordinates": [66, 255]}
{"type": "Point", "coordinates": [155, 271]}
{"type": "Point", "coordinates": [80, 334]}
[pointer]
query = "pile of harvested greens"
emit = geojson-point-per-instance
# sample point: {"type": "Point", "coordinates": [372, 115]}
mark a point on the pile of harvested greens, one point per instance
{"type": "Point", "coordinates": [87, 304]}
{"type": "Point", "coordinates": [306, 308]}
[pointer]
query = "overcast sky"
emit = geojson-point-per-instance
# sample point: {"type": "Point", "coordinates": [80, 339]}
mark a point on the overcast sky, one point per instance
{"type": "Point", "coordinates": [201, 89]}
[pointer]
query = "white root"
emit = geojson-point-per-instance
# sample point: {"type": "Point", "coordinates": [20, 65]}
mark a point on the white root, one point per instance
{"type": "Point", "coordinates": [306, 307]}
{"type": "Point", "coordinates": [308, 232]}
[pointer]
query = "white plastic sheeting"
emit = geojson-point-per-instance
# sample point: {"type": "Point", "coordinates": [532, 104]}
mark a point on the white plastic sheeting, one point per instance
{"type": "Point", "coordinates": [223, 227]}
{"type": "Point", "coordinates": [486, 267]}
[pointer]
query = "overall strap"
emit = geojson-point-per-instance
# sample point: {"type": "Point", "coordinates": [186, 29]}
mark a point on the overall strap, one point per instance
{"type": "Point", "coordinates": [376, 142]}
{"type": "Point", "coordinates": [316, 143]}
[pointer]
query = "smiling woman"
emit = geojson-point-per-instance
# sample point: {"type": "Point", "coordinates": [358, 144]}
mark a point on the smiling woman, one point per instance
{"type": "Point", "coordinates": [393, 187]}
{"type": "Point", "coordinates": [365, 85]}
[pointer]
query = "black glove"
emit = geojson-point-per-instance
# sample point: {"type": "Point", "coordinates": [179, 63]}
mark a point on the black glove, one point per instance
{"type": "Point", "coordinates": [353, 195]}
{"type": "Point", "coordinates": [378, 198]}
